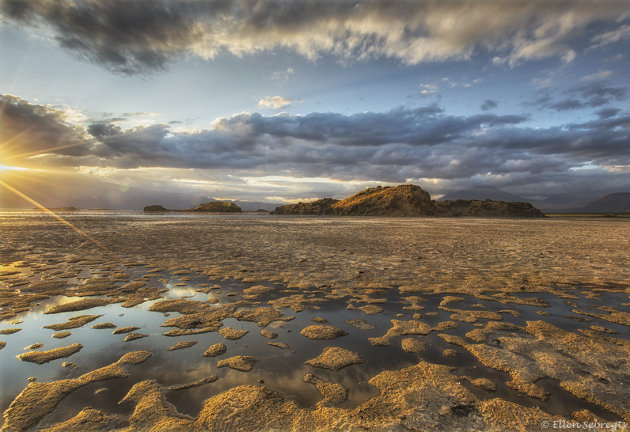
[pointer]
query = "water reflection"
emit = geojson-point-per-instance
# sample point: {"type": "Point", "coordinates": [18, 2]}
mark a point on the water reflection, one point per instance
{"type": "Point", "coordinates": [280, 369]}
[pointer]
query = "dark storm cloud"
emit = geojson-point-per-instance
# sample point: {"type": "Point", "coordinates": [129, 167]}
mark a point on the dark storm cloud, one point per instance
{"type": "Point", "coordinates": [103, 129]}
{"type": "Point", "coordinates": [600, 142]}
{"type": "Point", "coordinates": [489, 104]}
{"type": "Point", "coordinates": [137, 36]}
{"type": "Point", "coordinates": [568, 104]}
{"type": "Point", "coordinates": [124, 36]}
{"type": "Point", "coordinates": [589, 96]}
{"type": "Point", "coordinates": [30, 129]}
{"type": "Point", "coordinates": [598, 94]}
{"type": "Point", "coordinates": [608, 112]}
{"type": "Point", "coordinates": [313, 142]}
{"type": "Point", "coordinates": [392, 146]}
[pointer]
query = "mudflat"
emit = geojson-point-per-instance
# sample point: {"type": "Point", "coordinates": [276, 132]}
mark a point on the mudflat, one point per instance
{"type": "Point", "coordinates": [386, 323]}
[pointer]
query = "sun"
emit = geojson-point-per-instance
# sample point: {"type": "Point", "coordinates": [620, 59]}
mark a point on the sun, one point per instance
{"type": "Point", "coordinates": [7, 186]}
{"type": "Point", "coordinates": [10, 168]}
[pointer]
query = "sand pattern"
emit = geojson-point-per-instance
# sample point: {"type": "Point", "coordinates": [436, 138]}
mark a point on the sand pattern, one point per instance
{"type": "Point", "coordinates": [419, 318]}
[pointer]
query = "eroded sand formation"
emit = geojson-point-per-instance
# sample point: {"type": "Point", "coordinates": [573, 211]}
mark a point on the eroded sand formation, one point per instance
{"type": "Point", "coordinates": [417, 288]}
{"type": "Point", "coordinates": [38, 399]}
{"type": "Point", "coordinates": [41, 357]}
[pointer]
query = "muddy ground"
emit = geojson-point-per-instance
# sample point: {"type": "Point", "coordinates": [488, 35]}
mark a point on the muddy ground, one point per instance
{"type": "Point", "coordinates": [303, 323]}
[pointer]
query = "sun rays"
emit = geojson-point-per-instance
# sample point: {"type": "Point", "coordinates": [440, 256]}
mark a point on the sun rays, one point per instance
{"type": "Point", "coordinates": [10, 168]}
{"type": "Point", "coordinates": [44, 151]}
{"type": "Point", "coordinates": [53, 214]}
{"type": "Point", "coordinates": [10, 154]}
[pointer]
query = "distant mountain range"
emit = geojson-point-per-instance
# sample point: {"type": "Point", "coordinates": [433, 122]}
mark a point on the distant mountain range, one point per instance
{"type": "Point", "coordinates": [482, 194]}
{"type": "Point", "coordinates": [618, 202]}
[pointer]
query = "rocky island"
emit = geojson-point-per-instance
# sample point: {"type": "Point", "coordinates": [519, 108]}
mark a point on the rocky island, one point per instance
{"type": "Point", "coordinates": [155, 209]}
{"type": "Point", "coordinates": [216, 207]}
{"type": "Point", "coordinates": [210, 207]}
{"type": "Point", "coordinates": [407, 200]}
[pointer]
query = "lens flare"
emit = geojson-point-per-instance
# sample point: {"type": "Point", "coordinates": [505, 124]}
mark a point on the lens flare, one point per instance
{"type": "Point", "coordinates": [55, 215]}
{"type": "Point", "coordinates": [10, 168]}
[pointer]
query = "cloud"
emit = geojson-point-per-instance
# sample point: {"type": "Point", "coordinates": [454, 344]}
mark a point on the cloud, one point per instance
{"type": "Point", "coordinates": [610, 37]}
{"type": "Point", "coordinates": [592, 95]}
{"type": "Point", "coordinates": [568, 56]}
{"type": "Point", "coordinates": [126, 37]}
{"type": "Point", "coordinates": [598, 76]}
{"type": "Point", "coordinates": [568, 104]}
{"type": "Point", "coordinates": [265, 155]}
{"type": "Point", "coordinates": [283, 75]}
{"type": "Point", "coordinates": [489, 104]}
{"type": "Point", "coordinates": [428, 89]}
{"type": "Point", "coordinates": [276, 102]}
{"type": "Point", "coordinates": [615, 58]}
{"type": "Point", "coordinates": [394, 145]}
{"type": "Point", "coordinates": [608, 112]}
{"type": "Point", "coordinates": [142, 36]}
{"type": "Point", "coordinates": [39, 129]}
{"type": "Point", "coordinates": [598, 94]}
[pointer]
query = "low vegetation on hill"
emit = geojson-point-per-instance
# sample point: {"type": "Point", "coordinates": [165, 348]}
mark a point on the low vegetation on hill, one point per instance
{"type": "Point", "coordinates": [319, 207]}
{"type": "Point", "coordinates": [488, 208]}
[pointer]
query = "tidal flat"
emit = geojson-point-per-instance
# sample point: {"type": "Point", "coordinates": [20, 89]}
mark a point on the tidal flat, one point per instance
{"type": "Point", "coordinates": [255, 322]}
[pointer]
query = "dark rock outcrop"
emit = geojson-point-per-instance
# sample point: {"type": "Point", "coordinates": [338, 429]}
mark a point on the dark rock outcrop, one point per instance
{"type": "Point", "coordinates": [211, 207]}
{"type": "Point", "coordinates": [154, 208]}
{"type": "Point", "coordinates": [216, 207]}
{"type": "Point", "coordinates": [403, 200]}
{"type": "Point", "coordinates": [407, 200]}
{"type": "Point", "coordinates": [488, 208]}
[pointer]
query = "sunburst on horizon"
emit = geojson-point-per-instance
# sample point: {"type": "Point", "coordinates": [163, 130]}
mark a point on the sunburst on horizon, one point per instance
{"type": "Point", "coordinates": [11, 168]}
{"type": "Point", "coordinates": [8, 168]}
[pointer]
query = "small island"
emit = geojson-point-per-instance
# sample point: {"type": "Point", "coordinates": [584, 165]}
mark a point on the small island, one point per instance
{"type": "Point", "coordinates": [155, 209]}
{"type": "Point", "coordinates": [216, 207]}
{"type": "Point", "coordinates": [210, 207]}
{"type": "Point", "coordinates": [407, 200]}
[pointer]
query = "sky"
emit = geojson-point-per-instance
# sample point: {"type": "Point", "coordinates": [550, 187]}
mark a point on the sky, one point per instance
{"type": "Point", "coordinates": [118, 103]}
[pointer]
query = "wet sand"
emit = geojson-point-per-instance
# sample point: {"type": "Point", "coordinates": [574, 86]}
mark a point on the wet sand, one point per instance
{"type": "Point", "coordinates": [428, 323]}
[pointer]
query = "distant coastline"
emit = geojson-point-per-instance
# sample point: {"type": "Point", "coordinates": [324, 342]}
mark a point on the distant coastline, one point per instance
{"type": "Point", "coordinates": [391, 201]}
{"type": "Point", "coordinates": [211, 207]}
{"type": "Point", "coordinates": [70, 208]}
